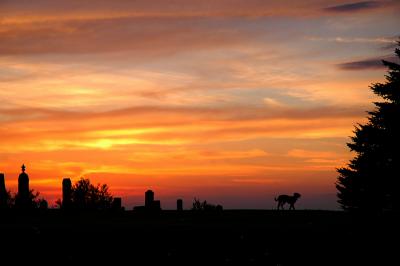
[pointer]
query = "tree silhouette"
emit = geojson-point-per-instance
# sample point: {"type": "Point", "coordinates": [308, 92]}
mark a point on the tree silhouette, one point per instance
{"type": "Point", "coordinates": [372, 178]}
{"type": "Point", "coordinates": [33, 199]}
{"type": "Point", "coordinates": [10, 199]}
{"type": "Point", "coordinates": [42, 204]}
{"type": "Point", "coordinates": [88, 196]}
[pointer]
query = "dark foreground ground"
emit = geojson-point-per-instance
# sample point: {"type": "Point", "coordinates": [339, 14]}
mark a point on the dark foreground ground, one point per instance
{"type": "Point", "coordinates": [241, 237]}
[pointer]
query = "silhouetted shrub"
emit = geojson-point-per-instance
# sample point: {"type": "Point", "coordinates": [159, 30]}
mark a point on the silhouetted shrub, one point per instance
{"type": "Point", "coordinates": [10, 199]}
{"type": "Point", "coordinates": [42, 204]}
{"type": "Point", "coordinates": [205, 206]}
{"type": "Point", "coordinates": [88, 196]}
{"type": "Point", "coordinates": [33, 201]}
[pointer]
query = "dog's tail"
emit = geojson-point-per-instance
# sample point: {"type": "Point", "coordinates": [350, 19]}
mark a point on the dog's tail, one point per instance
{"type": "Point", "coordinates": [276, 199]}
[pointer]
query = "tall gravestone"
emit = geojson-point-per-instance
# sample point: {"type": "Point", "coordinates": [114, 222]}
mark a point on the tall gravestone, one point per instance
{"type": "Point", "coordinates": [148, 199]}
{"type": "Point", "coordinates": [3, 192]}
{"type": "Point", "coordinates": [23, 200]}
{"type": "Point", "coordinates": [116, 204]}
{"type": "Point", "coordinates": [179, 205]}
{"type": "Point", "coordinates": [66, 193]}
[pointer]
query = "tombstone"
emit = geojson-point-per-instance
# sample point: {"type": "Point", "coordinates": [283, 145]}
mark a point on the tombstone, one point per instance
{"type": "Point", "coordinates": [3, 192]}
{"type": "Point", "coordinates": [117, 204]}
{"type": "Point", "coordinates": [23, 201]}
{"type": "Point", "coordinates": [66, 193]}
{"type": "Point", "coordinates": [148, 198]}
{"type": "Point", "coordinates": [179, 205]}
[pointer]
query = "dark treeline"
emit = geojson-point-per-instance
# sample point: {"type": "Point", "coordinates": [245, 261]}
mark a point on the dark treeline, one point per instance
{"type": "Point", "coordinates": [82, 196]}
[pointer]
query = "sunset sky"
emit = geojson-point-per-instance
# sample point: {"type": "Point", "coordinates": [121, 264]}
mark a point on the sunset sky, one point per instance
{"type": "Point", "coordinates": [230, 101]}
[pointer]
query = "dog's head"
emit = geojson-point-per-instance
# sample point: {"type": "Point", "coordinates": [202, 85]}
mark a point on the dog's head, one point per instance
{"type": "Point", "coordinates": [296, 195]}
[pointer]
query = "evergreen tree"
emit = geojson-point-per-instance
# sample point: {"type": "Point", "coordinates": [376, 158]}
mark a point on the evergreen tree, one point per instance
{"type": "Point", "coordinates": [371, 181]}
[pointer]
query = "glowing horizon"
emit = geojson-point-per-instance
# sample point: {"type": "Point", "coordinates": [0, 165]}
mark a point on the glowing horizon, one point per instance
{"type": "Point", "coordinates": [229, 101]}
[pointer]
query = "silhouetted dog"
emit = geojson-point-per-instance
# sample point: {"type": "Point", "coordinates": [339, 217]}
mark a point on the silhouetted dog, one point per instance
{"type": "Point", "coordinates": [291, 200]}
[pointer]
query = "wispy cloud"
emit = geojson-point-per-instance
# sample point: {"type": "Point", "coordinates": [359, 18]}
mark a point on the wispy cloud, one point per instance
{"type": "Point", "coordinates": [374, 63]}
{"type": "Point", "coordinates": [370, 63]}
{"type": "Point", "coordinates": [378, 40]}
{"type": "Point", "coordinates": [300, 153]}
{"type": "Point", "coordinates": [390, 46]}
{"type": "Point", "coordinates": [273, 103]}
{"type": "Point", "coordinates": [153, 37]}
{"type": "Point", "coordinates": [256, 180]}
{"type": "Point", "coordinates": [354, 7]}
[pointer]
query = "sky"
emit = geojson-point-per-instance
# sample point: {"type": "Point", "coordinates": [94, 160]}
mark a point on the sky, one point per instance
{"type": "Point", "coordinates": [229, 101]}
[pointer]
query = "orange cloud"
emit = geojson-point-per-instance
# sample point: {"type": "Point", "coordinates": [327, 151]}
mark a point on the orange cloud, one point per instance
{"type": "Point", "coordinates": [311, 154]}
